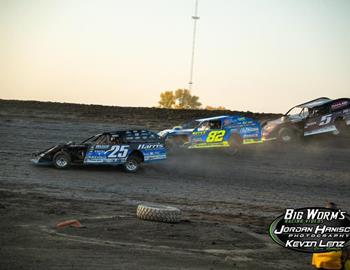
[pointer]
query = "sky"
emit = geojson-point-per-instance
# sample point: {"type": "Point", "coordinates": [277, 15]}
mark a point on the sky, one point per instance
{"type": "Point", "coordinates": [256, 55]}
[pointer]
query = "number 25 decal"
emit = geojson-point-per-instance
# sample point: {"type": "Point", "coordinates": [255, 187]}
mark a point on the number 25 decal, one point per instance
{"type": "Point", "coordinates": [216, 136]}
{"type": "Point", "coordinates": [325, 120]}
{"type": "Point", "coordinates": [118, 151]}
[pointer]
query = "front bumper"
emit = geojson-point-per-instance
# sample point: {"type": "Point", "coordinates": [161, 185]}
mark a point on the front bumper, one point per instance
{"type": "Point", "coordinates": [39, 160]}
{"type": "Point", "coordinates": [267, 139]}
{"type": "Point", "coordinates": [252, 141]}
{"type": "Point", "coordinates": [268, 135]}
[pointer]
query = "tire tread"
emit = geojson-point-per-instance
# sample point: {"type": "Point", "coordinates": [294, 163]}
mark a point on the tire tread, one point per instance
{"type": "Point", "coordinates": [169, 215]}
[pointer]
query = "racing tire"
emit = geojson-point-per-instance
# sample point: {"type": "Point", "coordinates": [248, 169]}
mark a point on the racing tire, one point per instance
{"type": "Point", "coordinates": [170, 146]}
{"type": "Point", "coordinates": [132, 164]}
{"type": "Point", "coordinates": [234, 145]}
{"type": "Point", "coordinates": [342, 128]}
{"type": "Point", "coordinates": [61, 160]}
{"type": "Point", "coordinates": [174, 145]}
{"type": "Point", "coordinates": [155, 212]}
{"type": "Point", "coordinates": [287, 135]}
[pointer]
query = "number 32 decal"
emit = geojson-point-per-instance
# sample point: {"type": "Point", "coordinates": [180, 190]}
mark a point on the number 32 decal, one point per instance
{"type": "Point", "coordinates": [120, 151]}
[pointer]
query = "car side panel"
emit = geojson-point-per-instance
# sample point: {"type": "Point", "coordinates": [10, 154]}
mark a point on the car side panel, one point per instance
{"type": "Point", "coordinates": [248, 130]}
{"type": "Point", "coordinates": [250, 133]}
{"type": "Point", "coordinates": [118, 154]}
{"type": "Point", "coordinates": [151, 151]}
{"type": "Point", "coordinates": [107, 154]}
{"type": "Point", "coordinates": [326, 123]}
{"type": "Point", "coordinates": [210, 138]}
{"type": "Point", "coordinates": [320, 124]}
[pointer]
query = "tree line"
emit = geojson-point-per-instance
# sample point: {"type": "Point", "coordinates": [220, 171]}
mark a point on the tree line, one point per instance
{"type": "Point", "coordinates": [182, 99]}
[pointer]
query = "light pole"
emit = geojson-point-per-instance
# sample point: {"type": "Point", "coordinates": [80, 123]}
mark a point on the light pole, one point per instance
{"type": "Point", "coordinates": [195, 18]}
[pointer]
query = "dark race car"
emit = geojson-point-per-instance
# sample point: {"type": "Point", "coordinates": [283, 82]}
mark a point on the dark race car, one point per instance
{"type": "Point", "coordinates": [318, 116]}
{"type": "Point", "coordinates": [127, 148]}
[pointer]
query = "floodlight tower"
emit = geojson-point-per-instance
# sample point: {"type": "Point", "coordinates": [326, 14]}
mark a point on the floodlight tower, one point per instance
{"type": "Point", "coordinates": [195, 18]}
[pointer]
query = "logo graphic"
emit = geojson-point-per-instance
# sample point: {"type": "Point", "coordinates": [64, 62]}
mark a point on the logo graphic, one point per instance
{"type": "Point", "coordinates": [312, 230]}
{"type": "Point", "coordinates": [150, 146]}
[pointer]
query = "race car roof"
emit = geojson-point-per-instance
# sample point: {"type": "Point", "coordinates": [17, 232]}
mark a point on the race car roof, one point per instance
{"type": "Point", "coordinates": [212, 118]}
{"type": "Point", "coordinates": [128, 132]}
{"type": "Point", "coordinates": [315, 102]}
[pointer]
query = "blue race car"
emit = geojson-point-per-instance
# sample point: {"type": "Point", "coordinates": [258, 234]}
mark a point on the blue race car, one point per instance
{"type": "Point", "coordinates": [220, 131]}
{"type": "Point", "coordinates": [178, 135]}
{"type": "Point", "coordinates": [127, 148]}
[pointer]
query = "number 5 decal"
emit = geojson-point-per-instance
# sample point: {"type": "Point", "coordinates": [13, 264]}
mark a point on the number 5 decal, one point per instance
{"type": "Point", "coordinates": [325, 120]}
{"type": "Point", "coordinates": [118, 151]}
{"type": "Point", "coordinates": [124, 149]}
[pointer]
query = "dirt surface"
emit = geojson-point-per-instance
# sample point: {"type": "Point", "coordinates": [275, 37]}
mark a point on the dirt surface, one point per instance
{"type": "Point", "coordinates": [227, 201]}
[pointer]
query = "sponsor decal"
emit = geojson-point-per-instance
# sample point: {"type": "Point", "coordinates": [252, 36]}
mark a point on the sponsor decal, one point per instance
{"type": "Point", "coordinates": [331, 128]}
{"type": "Point", "coordinates": [209, 145]}
{"type": "Point", "coordinates": [102, 146]}
{"type": "Point", "coordinates": [251, 141]}
{"type": "Point", "coordinates": [247, 136]}
{"type": "Point", "coordinates": [196, 140]}
{"type": "Point", "coordinates": [340, 104]}
{"type": "Point", "coordinates": [196, 133]}
{"type": "Point", "coordinates": [155, 157]}
{"type": "Point", "coordinates": [146, 146]}
{"type": "Point", "coordinates": [96, 153]}
{"type": "Point", "coordinates": [312, 230]}
{"type": "Point", "coordinates": [249, 129]}
{"type": "Point", "coordinates": [310, 124]}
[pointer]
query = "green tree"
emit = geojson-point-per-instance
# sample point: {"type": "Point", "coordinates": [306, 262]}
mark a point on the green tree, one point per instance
{"type": "Point", "coordinates": [213, 108]}
{"type": "Point", "coordinates": [167, 99]}
{"type": "Point", "coordinates": [184, 100]}
{"type": "Point", "coordinates": [180, 99]}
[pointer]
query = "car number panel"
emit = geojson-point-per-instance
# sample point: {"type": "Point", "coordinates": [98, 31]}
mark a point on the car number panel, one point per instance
{"type": "Point", "coordinates": [209, 138]}
{"type": "Point", "coordinates": [108, 154]}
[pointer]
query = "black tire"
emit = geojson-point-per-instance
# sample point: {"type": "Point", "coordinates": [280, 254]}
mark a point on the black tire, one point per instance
{"type": "Point", "coordinates": [132, 164]}
{"type": "Point", "coordinates": [170, 146]}
{"type": "Point", "coordinates": [235, 143]}
{"type": "Point", "coordinates": [175, 144]}
{"type": "Point", "coordinates": [61, 160]}
{"type": "Point", "coordinates": [341, 127]}
{"type": "Point", "coordinates": [288, 135]}
{"type": "Point", "coordinates": [155, 212]}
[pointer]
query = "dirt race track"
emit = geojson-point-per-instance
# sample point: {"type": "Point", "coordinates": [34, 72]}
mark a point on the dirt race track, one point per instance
{"type": "Point", "coordinates": [227, 201]}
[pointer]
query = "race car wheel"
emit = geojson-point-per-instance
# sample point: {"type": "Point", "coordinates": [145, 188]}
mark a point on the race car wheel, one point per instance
{"type": "Point", "coordinates": [341, 127]}
{"type": "Point", "coordinates": [61, 160]}
{"type": "Point", "coordinates": [234, 145]}
{"type": "Point", "coordinates": [287, 135]}
{"type": "Point", "coordinates": [174, 144]}
{"type": "Point", "coordinates": [132, 164]}
{"type": "Point", "coordinates": [170, 146]}
{"type": "Point", "coordinates": [155, 212]}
